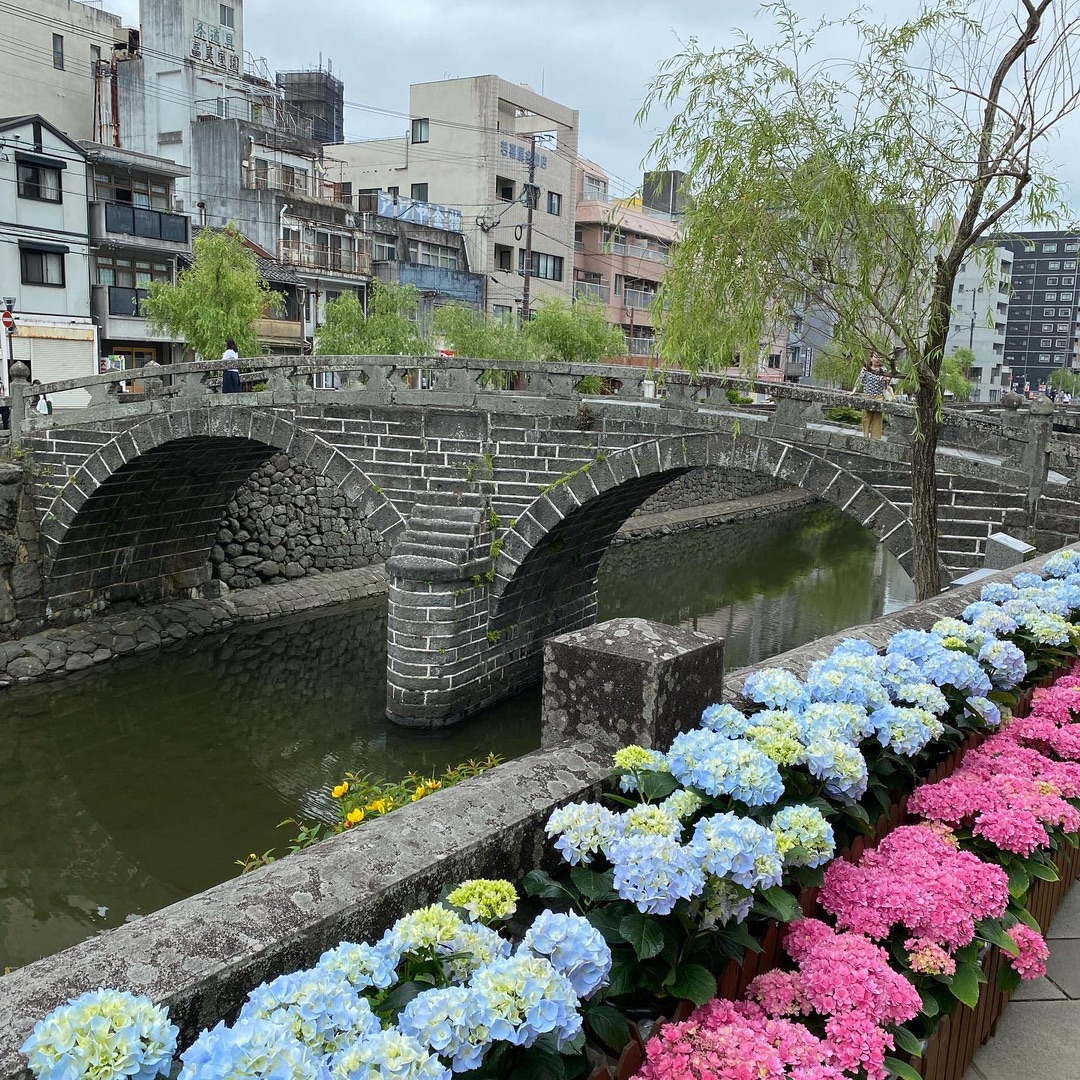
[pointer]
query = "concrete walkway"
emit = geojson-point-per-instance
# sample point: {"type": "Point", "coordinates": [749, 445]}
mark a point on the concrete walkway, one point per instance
{"type": "Point", "coordinates": [1038, 1037]}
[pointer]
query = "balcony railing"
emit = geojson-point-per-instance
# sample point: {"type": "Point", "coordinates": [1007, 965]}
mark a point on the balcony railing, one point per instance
{"type": "Point", "coordinates": [331, 259]}
{"type": "Point", "coordinates": [637, 251]}
{"type": "Point", "coordinates": [298, 182]}
{"type": "Point", "coordinates": [638, 298]}
{"type": "Point", "coordinates": [590, 290]}
{"type": "Point", "coordinates": [417, 211]}
{"type": "Point", "coordinates": [641, 346]}
{"type": "Point", "coordinates": [579, 246]}
{"type": "Point", "coordinates": [267, 112]}
{"type": "Point", "coordinates": [127, 220]}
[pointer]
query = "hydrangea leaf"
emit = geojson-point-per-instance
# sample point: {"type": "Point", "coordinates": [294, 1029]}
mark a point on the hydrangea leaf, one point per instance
{"type": "Point", "coordinates": [644, 934]}
{"type": "Point", "coordinates": [901, 1069]}
{"type": "Point", "coordinates": [608, 1025]}
{"type": "Point", "coordinates": [694, 983]}
{"type": "Point", "coordinates": [964, 985]}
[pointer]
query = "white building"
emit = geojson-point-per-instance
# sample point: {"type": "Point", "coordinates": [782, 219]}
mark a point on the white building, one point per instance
{"type": "Point", "coordinates": [468, 148]}
{"type": "Point", "coordinates": [44, 253]}
{"type": "Point", "coordinates": [980, 313]}
{"type": "Point", "coordinates": [54, 48]}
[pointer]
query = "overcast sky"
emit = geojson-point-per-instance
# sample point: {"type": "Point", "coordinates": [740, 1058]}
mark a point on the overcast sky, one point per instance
{"type": "Point", "coordinates": [596, 56]}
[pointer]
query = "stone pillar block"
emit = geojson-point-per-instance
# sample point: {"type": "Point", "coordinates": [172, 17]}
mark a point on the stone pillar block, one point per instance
{"type": "Point", "coordinates": [1003, 551]}
{"type": "Point", "coordinates": [628, 681]}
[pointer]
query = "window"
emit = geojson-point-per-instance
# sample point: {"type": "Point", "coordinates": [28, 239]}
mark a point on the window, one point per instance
{"type": "Point", "coordinates": [39, 182]}
{"type": "Point", "coordinates": [385, 249]}
{"type": "Point", "coordinates": [1045, 342]}
{"type": "Point", "coordinates": [433, 255]}
{"type": "Point", "coordinates": [1062, 328]}
{"type": "Point", "coordinates": [961, 287]}
{"type": "Point", "coordinates": [227, 16]}
{"type": "Point", "coordinates": [1059, 358]}
{"type": "Point", "coordinates": [393, 192]}
{"type": "Point", "coordinates": [1072, 246]}
{"type": "Point", "coordinates": [95, 58]}
{"type": "Point", "coordinates": [418, 192]}
{"type": "Point", "coordinates": [1060, 343]}
{"type": "Point", "coordinates": [503, 255]}
{"type": "Point", "coordinates": [1068, 266]}
{"type": "Point", "coordinates": [1044, 358]}
{"type": "Point", "coordinates": [549, 267]}
{"type": "Point", "coordinates": [774, 360]}
{"type": "Point", "coordinates": [503, 312]}
{"type": "Point", "coordinates": [1068, 281]}
{"type": "Point", "coordinates": [58, 51]}
{"type": "Point", "coordinates": [1053, 266]}
{"type": "Point", "coordinates": [594, 188]}
{"type": "Point", "coordinates": [1051, 281]}
{"type": "Point", "coordinates": [1063, 312]}
{"type": "Point", "coordinates": [1047, 327]}
{"type": "Point", "coordinates": [43, 267]}
{"type": "Point", "coordinates": [1048, 312]}
{"type": "Point", "coordinates": [554, 203]}
{"type": "Point", "coordinates": [421, 130]}
{"type": "Point", "coordinates": [1049, 247]}
{"type": "Point", "coordinates": [504, 189]}
{"type": "Point", "coordinates": [1050, 297]}
{"type": "Point", "coordinates": [139, 190]}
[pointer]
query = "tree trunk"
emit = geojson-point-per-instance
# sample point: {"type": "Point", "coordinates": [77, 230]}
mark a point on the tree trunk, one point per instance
{"type": "Point", "coordinates": [924, 502]}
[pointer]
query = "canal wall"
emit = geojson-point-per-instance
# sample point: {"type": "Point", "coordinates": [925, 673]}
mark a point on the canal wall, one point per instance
{"type": "Point", "coordinates": [22, 608]}
{"type": "Point", "coordinates": [705, 487]}
{"type": "Point", "coordinates": [201, 956]}
{"type": "Point", "coordinates": [289, 521]}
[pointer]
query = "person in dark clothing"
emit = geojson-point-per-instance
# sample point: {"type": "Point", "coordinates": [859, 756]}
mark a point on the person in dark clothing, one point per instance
{"type": "Point", "coordinates": [230, 373]}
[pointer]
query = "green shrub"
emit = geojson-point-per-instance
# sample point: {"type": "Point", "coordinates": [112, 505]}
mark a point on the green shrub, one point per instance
{"type": "Point", "coordinates": [737, 397]}
{"type": "Point", "coordinates": [844, 414]}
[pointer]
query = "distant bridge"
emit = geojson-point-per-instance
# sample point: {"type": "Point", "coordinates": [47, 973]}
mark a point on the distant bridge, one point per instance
{"type": "Point", "coordinates": [494, 505]}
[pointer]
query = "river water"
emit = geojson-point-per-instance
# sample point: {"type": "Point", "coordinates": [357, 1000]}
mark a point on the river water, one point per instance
{"type": "Point", "coordinates": [141, 783]}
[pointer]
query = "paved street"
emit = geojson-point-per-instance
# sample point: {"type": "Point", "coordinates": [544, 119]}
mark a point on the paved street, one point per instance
{"type": "Point", "coordinates": [1039, 1035]}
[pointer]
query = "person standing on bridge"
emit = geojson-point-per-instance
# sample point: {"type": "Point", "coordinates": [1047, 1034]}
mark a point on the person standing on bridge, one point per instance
{"type": "Point", "coordinates": [230, 373]}
{"type": "Point", "coordinates": [872, 382]}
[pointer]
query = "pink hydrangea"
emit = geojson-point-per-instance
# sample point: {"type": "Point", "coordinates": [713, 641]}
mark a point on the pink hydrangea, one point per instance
{"type": "Point", "coordinates": [1018, 831]}
{"type": "Point", "coordinates": [854, 1044]}
{"type": "Point", "coordinates": [928, 958]}
{"type": "Point", "coordinates": [1031, 963]}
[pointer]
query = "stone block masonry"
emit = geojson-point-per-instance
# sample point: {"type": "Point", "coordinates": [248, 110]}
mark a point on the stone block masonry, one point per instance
{"type": "Point", "coordinates": [288, 521]}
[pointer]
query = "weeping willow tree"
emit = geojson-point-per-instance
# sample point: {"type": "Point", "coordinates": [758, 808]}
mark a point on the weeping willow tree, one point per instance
{"type": "Point", "coordinates": [860, 185]}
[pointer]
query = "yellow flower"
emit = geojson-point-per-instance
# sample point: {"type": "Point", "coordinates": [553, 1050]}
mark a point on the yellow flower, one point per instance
{"type": "Point", "coordinates": [419, 793]}
{"type": "Point", "coordinates": [340, 789]}
{"type": "Point", "coordinates": [377, 806]}
{"type": "Point", "coordinates": [434, 785]}
{"type": "Point", "coordinates": [354, 817]}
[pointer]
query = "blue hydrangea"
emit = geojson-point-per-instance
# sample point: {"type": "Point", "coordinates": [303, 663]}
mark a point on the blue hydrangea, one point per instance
{"type": "Point", "coordinates": [387, 1055]}
{"type": "Point", "coordinates": [855, 647]}
{"type": "Point", "coordinates": [584, 829]}
{"type": "Point", "coordinates": [454, 1023]}
{"type": "Point", "coordinates": [362, 964]}
{"type": "Point", "coordinates": [994, 622]}
{"type": "Point", "coordinates": [948, 667]}
{"type": "Point", "coordinates": [957, 628]}
{"type": "Point", "coordinates": [916, 645]}
{"type": "Point", "coordinates": [1008, 665]}
{"type": "Point", "coordinates": [1062, 564]}
{"type": "Point", "coordinates": [905, 731]}
{"type": "Point", "coordinates": [1050, 597]}
{"type": "Point", "coordinates": [997, 592]}
{"type": "Point", "coordinates": [724, 720]}
{"type": "Point", "coordinates": [835, 720]}
{"type": "Point", "coordinates": [777, 688]}
{"type": "Point", "coordinates": [828, 682]}
{"type": "Point", "coordinates": [635, 760]}
{"type": "Point", "coordinates": [1027, 580]}
{"type": "Point", "coordinates": [840, 765]}
{"type": "Point", "coordinates": [1043, 627]}
{"type": "Point", "coordinates": [923, 694]}
{"type": "Point", "coordinates": [739, 849]}
{"type": "Point", "coordinates": [96, 1031]}
{"type": "Point", "coordinates": [526, 998]}
{"type": "Point", "coordinates": [803, 836]}
{"type": "Point", "coordinates": [250, 1050]}
{"type": "Point", "coordinates": [321, 1010]}
{"type": "Point", "coordinates": [472, 947]}
{"type": "Point", "coordinates": [718, 766]}
{"type": "Point", "coordinates": [990, 712]}
{"type": "Point", "coordinates": [655, 872]}
{"type": "Point", "coordinates": [575, 948]}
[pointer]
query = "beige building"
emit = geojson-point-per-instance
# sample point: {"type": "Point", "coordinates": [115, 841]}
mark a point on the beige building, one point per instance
{"type": "Point", "coordinates": [49, 67]}
{"type": "Point", "coordinates": [622, 252]}
{"type": "Point", "coordinates": [468, 149]}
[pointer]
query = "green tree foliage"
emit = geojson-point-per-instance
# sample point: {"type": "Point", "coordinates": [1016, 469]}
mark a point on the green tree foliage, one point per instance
{"type": "Point", "coordinates": [955, 371]}
{"type": "Point", "coordinates": [860, 184]}
{"type": "Point", "coordinates": [1065, 380]}
{"type": "Point", "coordinates": [219, 296]}
{"type": "Point", "coordinates": [481, 336]}
{"type": "Point", "coordinates": [573, 333]}
{"type": "Point", "coordinates": [389, 329]}
{"type": "Point", "coordinates": [836, 368]}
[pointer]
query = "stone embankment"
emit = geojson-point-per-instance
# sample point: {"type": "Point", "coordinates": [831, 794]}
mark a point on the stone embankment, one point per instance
{"type": "Point", "coordinates": [70, 649]}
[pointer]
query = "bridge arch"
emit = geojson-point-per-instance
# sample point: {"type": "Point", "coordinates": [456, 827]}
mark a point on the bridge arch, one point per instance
{"type": "Point", "coordinates": [546, 571]}
{"type": "Point", "coordinates": [137, 519]}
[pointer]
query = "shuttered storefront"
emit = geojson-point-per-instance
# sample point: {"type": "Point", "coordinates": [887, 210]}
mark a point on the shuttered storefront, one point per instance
{"type": "Point", "coordinates": [53, 359]}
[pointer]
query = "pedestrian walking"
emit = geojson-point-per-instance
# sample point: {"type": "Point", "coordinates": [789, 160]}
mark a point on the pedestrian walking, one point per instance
{"type": "Point", "coordinates": [230, 373]}
{"type": "Point", "coordinates": [872, 382]}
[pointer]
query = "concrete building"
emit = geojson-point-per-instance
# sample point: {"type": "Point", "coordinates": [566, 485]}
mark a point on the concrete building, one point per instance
{"type": "Point", "coordinates": [190, 94]}
{"type": "Point", "coordinates": [55, 48]}
{"type": "Point", "coordinates": [469, 148]}
{"type": "Point", "coordinates": [319, 97]}
{"type": "Point", "coordinates": [135, 237]}
{"type": "Point", "coordinates": [44, 253]}
{"type": "Point", "coordinates": [1041, 332]}
{"type": "Point", "coordinates": [979, 321]}
{"type": "Point", "coordinates": [622, 250]}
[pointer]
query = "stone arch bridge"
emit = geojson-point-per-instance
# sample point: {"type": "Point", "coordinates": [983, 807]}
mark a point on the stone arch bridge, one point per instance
{"type": "Point", "coordinates": [495, 492]}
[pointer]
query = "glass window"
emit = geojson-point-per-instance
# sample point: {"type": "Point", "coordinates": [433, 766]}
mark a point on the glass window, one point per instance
{"type": "Point", "coordinates": [1053, 266]}
{"type": "Point", "coordinates": [419, 192]}
{"type": "Point", "coordinates": [58, 51]}
{"type": "Point", "coordinates": [1051, 281]}
{"type": "Point", "coordinates": [1049, 247]}
{"type": "Point", "coordinates": [385, 249]}
{"type": "Point", "coordinates": [1047, 327]}
{"type": "Point", "coordinates": [1046, 342]}
{"type": "Point", "coordinates": [549, 267]}
{"type": "Point", "coordinates": [554, 203]}
{"type": "Point", "coordinates": [1062, 328]}
{"type": "Point", "coordinates": [42, 268]}
{"type": "Point", "coordinates": [1068, 281]}
{"type": "Point", "coordinates": [1050, 297]}
{"type": "Point", "coordinates": [1060, 343]}
{"type": "Point", "coordinates": [1072, 246]}
{"type": "Point", "coordinates": [1059, 358]}
{"type": "Point", "coordinates": [1063, 312]}
{"type": "Point", "coordinates": [1048, 312]}
{"type": "Point", "coordinates": [39, 182]}
{"type": "Point", "coordinates": [594, 188]}
{"type": "Point", "coordinates": [503, 312]}
{"type": "Point", "coordinates": [421, 129]}
{"type": "Point", "coordinates": [1044, 358]}
{"type": "Point", "coordinates": [227, 16]}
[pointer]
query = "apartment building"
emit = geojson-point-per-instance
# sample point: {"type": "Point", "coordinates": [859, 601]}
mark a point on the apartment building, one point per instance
{"type": "Point", "coordinates": [55, 50]}
{"type": "Point", "coordinates": [469, 148]}
{"type": "Point", "coordinates": [980, 317]}
{"type": "Point", "coordinates": [44, 253]}
{"type": "Point", "coordinates": [189, 93]}
{"type": "Point", "coordinates": [1041, 330]}
{"type": "Point", "coordinates": [622, 249]}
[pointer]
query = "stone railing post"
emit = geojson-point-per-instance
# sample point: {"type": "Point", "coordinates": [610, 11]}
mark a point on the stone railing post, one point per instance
{"type": "Point", "coordinates": [19, 383]}
{"type": "Point", "coordinates": [1037, 423]}
{"type": "Point", "coordinates": [628, 681]}
{"type": "Point", "coordinates": [151, 377]}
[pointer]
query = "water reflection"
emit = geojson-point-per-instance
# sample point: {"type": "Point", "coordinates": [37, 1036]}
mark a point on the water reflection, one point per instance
{"type": "Point", "coordinates": [139, 784]}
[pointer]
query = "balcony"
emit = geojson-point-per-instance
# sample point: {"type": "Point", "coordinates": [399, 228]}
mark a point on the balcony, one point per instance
{"type": "Point", "coordinates": [297, 182]}
{"type": "Point", "coordinates": [641, 346]}
{"type": "Point", "coordinates": [433, 215]}
{"type": "Point", "coordinates": [117, 311]}
{"type": "Point", "coordinates": [636, 251]}
{"type": "Point", "coordinates": [330, 260]}
{"type": "Point", "coordinates": [279, 332]}
{"type": "Point", "coordinates": [589, 290]}
{"type": "Point", "coordinates": [639, 299]}
{"type": "Point", "coordinates": [269, 112]}
{"type": "Point", "coordinates": [136, 227]}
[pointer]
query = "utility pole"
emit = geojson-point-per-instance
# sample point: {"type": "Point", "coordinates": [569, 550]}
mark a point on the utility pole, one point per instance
{"type": "Point", "coordinates": [530, 195]}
